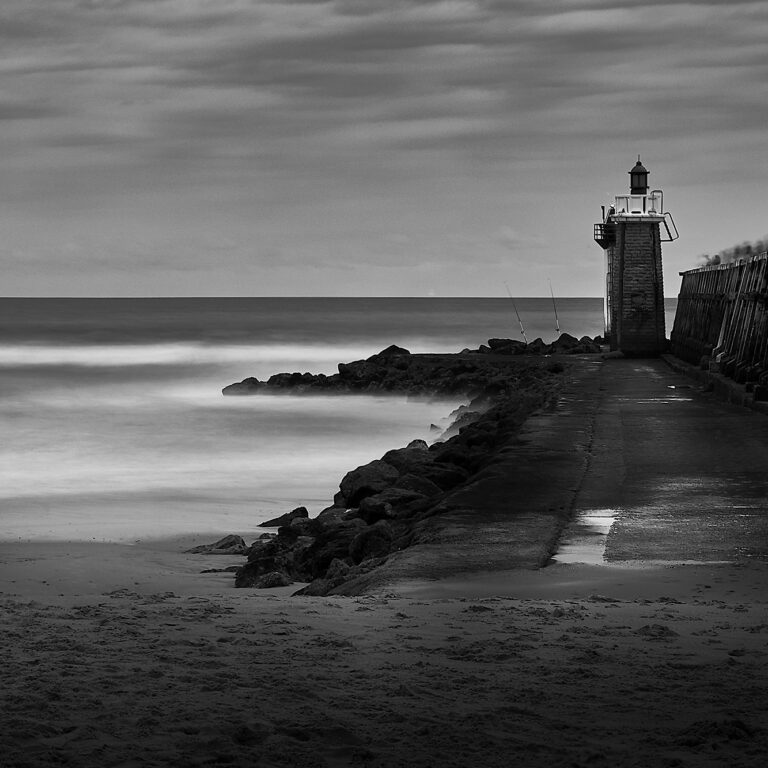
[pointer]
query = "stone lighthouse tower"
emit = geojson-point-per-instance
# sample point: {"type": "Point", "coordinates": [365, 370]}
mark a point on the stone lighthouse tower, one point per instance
{"type": "Point", "coordinates": [631, 234]}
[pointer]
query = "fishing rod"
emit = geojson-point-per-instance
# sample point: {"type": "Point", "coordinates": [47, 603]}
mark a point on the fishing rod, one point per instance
{"type": "Point", "coordinates": [522, 330]}
{"type": "Point", "coordinates": [554, 306]}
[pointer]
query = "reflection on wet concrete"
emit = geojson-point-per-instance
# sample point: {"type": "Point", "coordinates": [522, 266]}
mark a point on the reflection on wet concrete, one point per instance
{"type": "Point", "coordinates": [672, 475]}
{"type": "Point", "coordinates": [586, 536]}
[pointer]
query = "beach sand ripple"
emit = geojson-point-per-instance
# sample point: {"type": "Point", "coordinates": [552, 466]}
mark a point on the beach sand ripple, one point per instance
{"type": "Point", "coordinates": [156, 677]}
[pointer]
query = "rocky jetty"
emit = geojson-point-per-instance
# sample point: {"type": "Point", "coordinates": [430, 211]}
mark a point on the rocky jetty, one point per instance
{"type": "Point", "coordinates": [471, 372]}
{"type": "Point", "coordinates": [378, 504]}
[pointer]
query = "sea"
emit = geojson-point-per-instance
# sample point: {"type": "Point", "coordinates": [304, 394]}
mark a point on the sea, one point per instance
{"type": "Point", "coordinates": [114, 428]}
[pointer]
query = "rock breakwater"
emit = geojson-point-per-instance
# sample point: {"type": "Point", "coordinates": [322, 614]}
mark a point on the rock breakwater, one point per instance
{"type": "Point", "coordinates": [394, 369]}
{"type": "Point", "coordinates": [379, 505]}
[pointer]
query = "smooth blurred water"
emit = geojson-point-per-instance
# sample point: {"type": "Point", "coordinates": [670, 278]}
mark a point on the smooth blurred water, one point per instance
{"type": "Point", "coordinates": [114, 427]}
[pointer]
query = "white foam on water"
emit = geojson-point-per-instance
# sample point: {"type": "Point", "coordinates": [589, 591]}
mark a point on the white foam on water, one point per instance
{"type": "Point", "coordinates": [249, 457]}
{"type": "Point", "coordinates": [176, 353]}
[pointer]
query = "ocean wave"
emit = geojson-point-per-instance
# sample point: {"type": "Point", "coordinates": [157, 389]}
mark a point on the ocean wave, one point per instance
{"type": "Point", "coordinates": [114, 356]}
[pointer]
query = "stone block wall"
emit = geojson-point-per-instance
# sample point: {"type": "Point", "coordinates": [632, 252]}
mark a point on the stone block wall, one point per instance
{"type": "Point", "coordinates": [636, 289]}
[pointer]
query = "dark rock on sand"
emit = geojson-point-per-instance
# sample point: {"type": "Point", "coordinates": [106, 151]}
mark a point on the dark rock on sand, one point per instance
{"type": "Point", "coordinates": [285, 519]}
{"type": "Point", "coordinates": [337, 569]}
{"type": "Point", "coordinates": [331, 543]}
{"type": "Point", "coordinates": [304, 549]}
{"type": "Point", "coordinates": [278, 554]}
{"type": "Point", "coordinates": [229, 545]}
{"type": "Point", "coordinates": [273, 579]}
{"type": "Point", "coordinates": [338, 573]}
{"type": "Point", "coordinates": [366, 480]}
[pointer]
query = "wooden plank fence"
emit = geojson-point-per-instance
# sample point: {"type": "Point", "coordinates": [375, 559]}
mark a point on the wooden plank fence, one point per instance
{"type": "Point", "coordinates": [722, 319]}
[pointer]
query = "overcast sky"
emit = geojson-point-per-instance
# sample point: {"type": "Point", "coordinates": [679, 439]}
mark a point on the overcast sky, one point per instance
{"type": "Point", "coordinates": [368, 147]}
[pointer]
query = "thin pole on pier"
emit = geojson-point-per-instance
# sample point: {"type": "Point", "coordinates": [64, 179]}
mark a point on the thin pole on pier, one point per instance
{"type": "Point", "coordinates": [522, 330]}
{"type": "Point", "coordinates": [554, 306]}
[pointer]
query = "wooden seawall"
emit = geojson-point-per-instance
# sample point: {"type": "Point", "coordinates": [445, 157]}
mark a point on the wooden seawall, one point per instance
{"type": "Point", "coordinates": [722, 319]}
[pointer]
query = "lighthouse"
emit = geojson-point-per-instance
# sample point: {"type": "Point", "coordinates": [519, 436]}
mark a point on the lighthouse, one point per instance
{"type": "Point", "coordinates": [631, 234]}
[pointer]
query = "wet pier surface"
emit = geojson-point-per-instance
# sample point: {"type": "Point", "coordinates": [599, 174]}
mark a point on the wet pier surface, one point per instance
{"type": "Point", "coordinates": [635, 466]}
{"type": "Point", "coordinates": [672, 474]}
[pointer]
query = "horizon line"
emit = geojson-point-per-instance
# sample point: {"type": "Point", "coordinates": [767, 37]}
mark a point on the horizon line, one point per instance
{"type": "Point", "coordinates": [283, 297]}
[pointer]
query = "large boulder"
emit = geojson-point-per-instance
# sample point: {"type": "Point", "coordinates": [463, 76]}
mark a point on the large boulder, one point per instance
{"type": "Point", "coordinates": [446, 475]}
{"type": "Point", "coordinates": [285, 519]}
{"type": "Point", "coordinates": [387, 504]}
{"type": "Point", "coordinates": [585, 346]}
{"type": "Point", "coordinates": [300, 526]}
{"type": "Point", "coordinates": [391, 351]}
{"type": "Point", "coordinates": [332, 543]}
{"type": "Point", "coordinates": [564, 342]}
{"type": "Point", "coordinates": [334, 515]}
{"type": "Point", "coordinates": [339, 572]}
{"type": "Point", "coordinates": [292, 380]}
{"type": "Point", "coordinates": [272, 579]}
{"type": "Point", "coordinates": [366, 480]}
{"type": "Point", "coordinates": [372, 542]}
{"type": "Point", "coordinates": [425, 464]}
{"type": "Point", "coordinates": [280, 554]}
{"type": "Point", "coordinates": [422, 485]}
{"type": "Point", "coordinates": [538, 347]}
{"type": "Point", "coordinates": [408, 460]}
{"type": "Point", "coordinates": [506, 346]}
{"type": "Point", "coordinates": [454, 453]}
{"type": "Point", "coordinates": [245, 387]}
{"type": "Point", "coordinates": [229, 545]}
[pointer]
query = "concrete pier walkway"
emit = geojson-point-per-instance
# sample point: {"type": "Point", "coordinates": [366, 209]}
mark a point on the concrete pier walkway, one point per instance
{"type": "Point", "coordinates": [683, 476]}
{"type": "Point", "coordinates": [670, 474]}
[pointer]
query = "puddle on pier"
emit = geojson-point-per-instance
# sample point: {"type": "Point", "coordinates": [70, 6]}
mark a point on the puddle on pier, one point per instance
{"type": "Point", "coordinates": [584, 542]}
{"type": "Point", "coordinates": [585, 538]}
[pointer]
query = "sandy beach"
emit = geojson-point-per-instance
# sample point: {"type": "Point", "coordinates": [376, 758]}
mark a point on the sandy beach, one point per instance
{"type": "Point", "coordinates": [129, 656]}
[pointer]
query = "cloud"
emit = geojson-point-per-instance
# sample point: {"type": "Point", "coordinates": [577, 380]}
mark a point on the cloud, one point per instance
{"type": "Point", "coordinates": [14, 110]}
{"type": "Point", "coordinates": [315, 127]}
{"type": "Point", "coordinates": [391, 72]}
